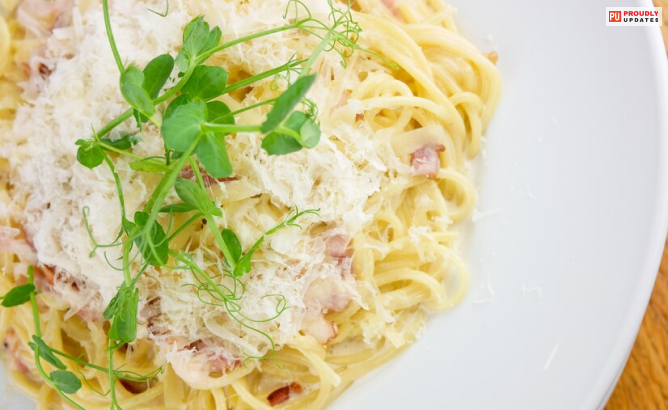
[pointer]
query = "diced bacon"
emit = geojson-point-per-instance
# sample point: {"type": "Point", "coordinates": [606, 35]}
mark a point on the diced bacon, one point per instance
{"type": "Point", "coordinates": [217, 363]}
{"type": "Point", "coordinates": [320, 329]}
{"type": "Point", "coordinates": [392, 6]}
{"type": "Point", "coordinates": [88, 314]}
{"type": "Point", "coordinates": [337, 246]}
{"type": "Point", "coordinates": [285, 393]}
{"type": "Point", "coordinates": [13, 347]}
{"type": "Point", "coordinates": [327, 295]}
{"type": "Point", "coordinates": [45, 15]}
{"type": "Point", "coordinates": [44, 278]}
{"type": "Point", "coordinates": [19, 247]}
{"type": "Point", "coordinates": [425, 161]}
{"type": "Point", "coordinates": [208, 180]}
{"type": "Point", "coordinates": [38, 65]}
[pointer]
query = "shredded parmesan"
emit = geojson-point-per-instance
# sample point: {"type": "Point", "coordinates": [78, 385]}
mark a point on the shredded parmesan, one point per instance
{"type": "Point", "coordinates": [82, 94]}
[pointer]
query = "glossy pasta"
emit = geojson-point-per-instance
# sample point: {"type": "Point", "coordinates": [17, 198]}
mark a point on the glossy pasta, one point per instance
{"type": "Point", "coordinates": [404, 259]}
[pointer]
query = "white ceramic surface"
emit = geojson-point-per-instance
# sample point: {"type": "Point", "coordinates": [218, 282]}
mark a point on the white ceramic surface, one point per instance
{"type": "Point", "coordinates": [573, 186]}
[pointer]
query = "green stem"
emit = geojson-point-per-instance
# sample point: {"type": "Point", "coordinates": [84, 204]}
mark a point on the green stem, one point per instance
{"type": "Point", "coordinates": [316, 53]}
{"type": "Point", "coordinates": [112, 375]}
{"type": "Point", "coordinates": [38, 333]}
{"type": "Point", "coordinates": [119, 186]}
{"type": "Point", "coordinates": [250, 107]}
{"type": "Point", "coordinates": [119, 151]}
{"type": "Point", "coordinates": [110, 35]}
{"type": "Point", "coordinates": [154, 203]}
{"type": "Point", "coordinates": [211, 223]}
{"type": "Point", "coordinates": [202, 58]}
{"type": "Point", "coordinates": [197, 269]}
{"type": "Point", "coordinates": [250, 80]}
{"type": "Point", "coordinates": [184, 226]}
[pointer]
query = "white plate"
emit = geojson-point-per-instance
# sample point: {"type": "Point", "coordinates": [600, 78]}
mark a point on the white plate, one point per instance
{"type": "Point", "coordinates": [574, 177]}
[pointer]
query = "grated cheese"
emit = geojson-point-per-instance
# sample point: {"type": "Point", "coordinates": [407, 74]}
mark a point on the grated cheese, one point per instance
{"type": "Point", "coordinates": [82, 93]}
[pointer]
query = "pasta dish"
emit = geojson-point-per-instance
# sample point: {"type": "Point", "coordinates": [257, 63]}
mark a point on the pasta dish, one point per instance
{"type": "Point", "coordinates": [229, 204]}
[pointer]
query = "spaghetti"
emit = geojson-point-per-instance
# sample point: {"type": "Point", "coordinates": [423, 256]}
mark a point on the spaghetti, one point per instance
{"type": "Point", "coordinates": [351, 290]}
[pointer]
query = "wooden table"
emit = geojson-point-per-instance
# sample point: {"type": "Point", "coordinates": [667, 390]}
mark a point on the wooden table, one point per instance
{"type": "Point", "coordinates": [644, 383]}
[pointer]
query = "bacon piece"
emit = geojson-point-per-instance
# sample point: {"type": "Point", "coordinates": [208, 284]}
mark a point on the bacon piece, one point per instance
{"type": "Point", "coordinates": [44, 278]}
{"type": "Point", "coordinates": [217, 362]}
{"type": "Point", "coordinates": [283, 394]}
{"type": "Point", "coordinates": [208, 180]}
{"type": "Point", "coordinates": [320, 329]}
{"type": "Point", "coordinates": [19, 247]}
{"type": "Point", "coordinates": [337, 246]}
{"type": "Point", "coordinates": [392, 6]}
{"type": "Point", "coordinates": [88, 314]}
{"type": "Point", "coordinates": [327, 294]}
{"type": "Point", "coordinates": [47, 15]}
{"type": "Point", "coordinates": [425, 161]}
{"type": "Point", "coordinates": [12, 345]}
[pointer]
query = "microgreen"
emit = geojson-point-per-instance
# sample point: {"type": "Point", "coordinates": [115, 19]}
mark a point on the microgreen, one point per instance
{"type": "Point", "coordinates": [299, 132]}
{"type": "Point", "coordinates": [18, 295]}
{"type": "Point", "coordinates": [194, 127]}
{"type": "Point", "coordinates": [156, 73]}
{"type": "Point", "coordinates": [89, 154]}
{"type": "Point", "coordinates": [212, 153]}
{"type": "Point", "coordinates": [177, 209]}
{"type": "Point", "coordinates": [153, 245]}
{"type": "Point", "coordinates": [287, 102]}
{"type": "Point", "coordinates": [183, 125]}
{"type": "Point", "coordinates": [149, 165]}
{"type": "Point", "coordinates": [205, 83]}
{"type": "Point", "coordinates": [66, 381]}
{"type": "Point", "coordinates": [191, 194]}
{"type": "Point", "coordinates": [132, 88]}
{"type": "Point", "coordinates": [123, 143]}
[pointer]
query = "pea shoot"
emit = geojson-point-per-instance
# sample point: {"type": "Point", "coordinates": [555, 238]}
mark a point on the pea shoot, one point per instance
{"type": "Point", "coordinates": [194, 124]}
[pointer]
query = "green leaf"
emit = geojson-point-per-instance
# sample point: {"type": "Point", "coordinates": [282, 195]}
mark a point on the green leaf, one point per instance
{"type": "Point", "coordinates": [132, 88]}
{"type": "Point", "coordinates": [177, 209]}
{"type": "Point", "coordinates": [310, 133]}
{"type": "Point", "coordinates": [244, 264]}
{"type": "Point", "coordinates": [280, 144]}
{"type": "Point", "coordinates": [214, 38]}
{"type": "Point", "coordinates": [46, 353]}
{"type": "Point", "coordinates": [206, 83]}
{"type": "Point", "coordinates": [182, 62]}
{"type": "Point", "coordinates": [89, 154]}
{"type": "Point", "coordinates": [125, 321]}
{"type": "Point", "coordinates": [66, 381]}
{"type": "Point", "coordinates": [232, 242]}
{"type": "Point", "coordinates": [287, 102]}
{"type": "Point", "coordinates": [195, 37]}
{"type": "Point", "coordinates": [212, 153]}
{"type": "Point", "coordinates": [184, 125]}
{"type": "Point", "coordinates": [149, 165]}
{"type": "Point", "coordinates": [157, 73]}
{"type": "Point", "coordinates": [176, 102]}
{"type": "Point", "coordinates": [18, 295]}
{"type": "Point", "coordinates": [111, 307]}
{"type": "Point", "coordinates": [193, 195]}
{"type": "Point", "coordinates": [153, 246]}
{"type": "Point", "coordinates": [126, 142]}
{"type": "Point", "coordinates": [219, 113]}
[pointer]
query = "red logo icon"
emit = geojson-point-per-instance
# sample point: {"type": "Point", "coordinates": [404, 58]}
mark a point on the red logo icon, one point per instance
{"type": "Point", "coordinates": [615, 16]}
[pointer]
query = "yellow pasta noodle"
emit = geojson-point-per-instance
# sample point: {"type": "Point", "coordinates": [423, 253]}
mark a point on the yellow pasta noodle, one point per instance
{"type": "Point", "coordinates": [440, 96]}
